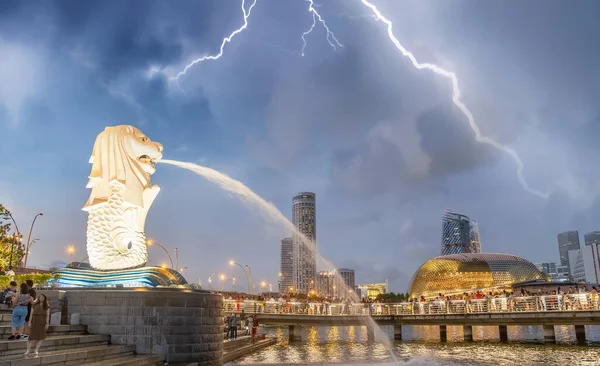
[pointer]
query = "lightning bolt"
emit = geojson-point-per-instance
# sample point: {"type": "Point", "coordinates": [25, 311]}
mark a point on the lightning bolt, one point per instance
{"type": "Point", "coordinates": [333, 41]}
{"type": "Point", "coordinates": [223, 43]}
{"type": "Point", "coordinates": [457, 101]}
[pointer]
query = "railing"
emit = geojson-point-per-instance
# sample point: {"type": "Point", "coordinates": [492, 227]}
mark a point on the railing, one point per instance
{"type": "Point", "coordinates": [570, 302]}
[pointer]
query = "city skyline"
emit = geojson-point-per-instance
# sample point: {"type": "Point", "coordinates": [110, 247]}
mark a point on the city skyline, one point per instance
{"type": "Point", "coordinates": [380, 143]}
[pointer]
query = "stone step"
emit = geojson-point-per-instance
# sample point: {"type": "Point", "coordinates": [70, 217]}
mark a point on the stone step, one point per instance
{"type": "Point", "coordinates": [132, 360]}
{"type": "Point", "coordinates": [240, 342]}
{"type": "Point", "coordinates": [76, 356]}
{"type": "Point", "coordinates": [53, 343]}
{"type": "Point", "coordinates": [248, 349]}
{"type": "Point", "coordinates": [53, 330]}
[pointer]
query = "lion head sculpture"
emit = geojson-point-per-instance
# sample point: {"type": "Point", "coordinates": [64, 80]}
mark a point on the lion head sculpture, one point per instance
{"type": "Point", "coordinates": [125, 154]}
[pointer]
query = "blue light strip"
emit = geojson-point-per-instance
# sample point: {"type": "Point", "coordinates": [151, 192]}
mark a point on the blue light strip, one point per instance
{"type": "Point", "coordinates": [136, 277]}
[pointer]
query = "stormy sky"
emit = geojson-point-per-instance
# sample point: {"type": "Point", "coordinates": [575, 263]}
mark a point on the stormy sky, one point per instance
{"type": "Point", "coordinates": [380, 142]}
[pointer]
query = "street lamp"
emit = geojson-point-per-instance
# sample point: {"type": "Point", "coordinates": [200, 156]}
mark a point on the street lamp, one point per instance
{"type": "Point", "coordinates": [71, 250]}
{"type": "Point", "coordinates": [247, 273]}
{"type": "Point", "coordinates": [210, 279]}
{"type": "Point", "coordinates": [150, 242]}
{"type": "Point", "coordinates": [233, 279]}
{"type": "Point", "coordinates": [29, 239]}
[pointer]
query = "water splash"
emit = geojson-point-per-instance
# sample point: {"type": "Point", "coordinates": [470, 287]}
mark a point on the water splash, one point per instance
{"type": "Point", "coordinates": [268, 209]}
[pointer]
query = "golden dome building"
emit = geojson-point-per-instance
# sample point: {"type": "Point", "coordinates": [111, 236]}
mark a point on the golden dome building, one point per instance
{"type": "Point", "coordinates": [469, 272]}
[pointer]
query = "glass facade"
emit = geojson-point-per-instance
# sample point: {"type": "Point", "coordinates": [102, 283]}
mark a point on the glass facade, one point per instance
{"type": "Point", "coordinates": [456, 233]}
{"type": "Point", "coordinates": [568, 240]}
{"type": "Point", "coordinates": [469, 272]}
{"type": "Point", "coordinates": [305, 261]}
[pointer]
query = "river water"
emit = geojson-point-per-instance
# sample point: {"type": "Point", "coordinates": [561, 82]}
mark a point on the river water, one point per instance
{"type": "Point", "coordinates": [421, 346]}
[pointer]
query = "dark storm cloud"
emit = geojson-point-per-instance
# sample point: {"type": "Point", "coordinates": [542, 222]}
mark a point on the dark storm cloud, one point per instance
{"type": "Point", "coordinates": [356, 122]}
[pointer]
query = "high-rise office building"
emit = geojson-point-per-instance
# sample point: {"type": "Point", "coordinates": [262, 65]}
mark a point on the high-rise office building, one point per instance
{"type": "Point", "coordinates": [304, 219]}
{"type": "Point", "coordinates": [286, 267]}
{"type": "Point", "coordinates": [584, 264]}
{"type": "Point", "coordinates": [338, 283]}
{"type": "Point", "coordinates": [348, 278]}
{"type": "Point", "coordinates": [456, 233]}
{"type": "Point", "coordinates": [475, 239]}
{"type": "Point", "coordinates": [592, 238]}
{"type": "Point", "coordinates": [568, 240]}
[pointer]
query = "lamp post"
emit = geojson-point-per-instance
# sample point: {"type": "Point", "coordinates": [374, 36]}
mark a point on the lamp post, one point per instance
{"type": "Point", "coordinates": [233, 279]}
{"type": "Point", "coordinates": [248, 275]}
{"type": "Point", "coordinates": [176, 258]}
{"type": "Point", "coordinates": [71, 250]}
{"type": "Point", "coordinates": [150, 242]}
{"type": "Point", "coordinates": [29, 239]}
{"type": "Point", "coordinates": [210, 279]}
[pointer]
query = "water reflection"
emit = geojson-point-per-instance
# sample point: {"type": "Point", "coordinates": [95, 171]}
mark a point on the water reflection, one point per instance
{"type": "Point", "coordinates": [421, 346]}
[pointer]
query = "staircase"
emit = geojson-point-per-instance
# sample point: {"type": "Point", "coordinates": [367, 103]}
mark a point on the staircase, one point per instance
{"type": "Point", "coordinates": [69, 345]}
{"type": "Point", "coordinates": [243, 346]}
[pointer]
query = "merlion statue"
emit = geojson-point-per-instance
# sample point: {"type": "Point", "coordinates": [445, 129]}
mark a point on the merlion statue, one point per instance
{"type": "Point", "coordinates": [121, 197]}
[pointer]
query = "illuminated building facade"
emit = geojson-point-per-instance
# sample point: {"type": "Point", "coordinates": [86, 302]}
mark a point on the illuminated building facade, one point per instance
{"type": "Point", "coordinates": [305, 259]}
{"type": "Point", "coordinates": [286, 265]}
{"type": "Point", "coordinates": [371, 290]}
{"type": "Point", "coordinates": [459, 273]}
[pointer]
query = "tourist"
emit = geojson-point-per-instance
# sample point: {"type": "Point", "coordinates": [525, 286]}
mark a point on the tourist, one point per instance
{"type": "Point", "coordinates": [33, 296]}
{"type": "Point", "coordinates": [20, 301]}
{"type": "Point", "coordinates": [227, 327]}
{"type": "Point", "coordinates": [233, 324]}
{"type": "Point", "coordinates": [39, 321]}
{"type": "Point", "coordinates": [9, 292]}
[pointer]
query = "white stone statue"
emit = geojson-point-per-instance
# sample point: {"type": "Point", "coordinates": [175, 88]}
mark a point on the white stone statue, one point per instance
{"type": "Point", "coordinates": [121, 197]}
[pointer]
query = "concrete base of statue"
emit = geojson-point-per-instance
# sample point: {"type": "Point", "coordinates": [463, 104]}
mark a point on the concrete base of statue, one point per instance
{"type": "Point", "coordinates": [81, 275]}
{"type": "Point", "coordinates": [184, 325]}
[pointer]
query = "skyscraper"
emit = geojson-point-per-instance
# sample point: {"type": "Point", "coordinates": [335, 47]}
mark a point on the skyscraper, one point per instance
{"type": "Point", "coordinates": [592, 238]}
{"type": "Point", "coordinates": [456, 233]}
{"type": "Point", "coordinates": [475, 239]}
{"type": "Point", "coordinates": [348, 277]}
{"type": "Point", "coordinates": [568, 240]}
{"type": "Point", "coordinates": [286, 267]}
{"type": "Point", "coordinates": [304, 219]}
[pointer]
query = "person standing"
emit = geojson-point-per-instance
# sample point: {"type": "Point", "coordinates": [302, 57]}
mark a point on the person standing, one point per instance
{"type": "Point", "coordinates": [27, 318]}
{"type": "Point", "coordinates": [19, 301]}
{"type": "Point", "coordinates": [39, 322]}
{"type": "Point", "coordinates": [234, 326]}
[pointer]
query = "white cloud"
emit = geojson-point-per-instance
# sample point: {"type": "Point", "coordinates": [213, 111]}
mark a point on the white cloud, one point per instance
{"type": "Point", "coordinates": [20, 77]}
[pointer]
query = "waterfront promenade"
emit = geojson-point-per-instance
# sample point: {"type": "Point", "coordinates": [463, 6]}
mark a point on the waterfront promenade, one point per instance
{"type": "Point", "coordinates": [546, 311]}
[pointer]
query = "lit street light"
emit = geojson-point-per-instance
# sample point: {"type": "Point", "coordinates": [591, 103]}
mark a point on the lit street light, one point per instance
{"type": "Point", "coordinates": [150, 242]}
{"type": "Point", "coordinates": [71, 250]}
{"type": "Point", "coordinates": [210, 279]}
{"type": "Point", "coordinates": [247, 273]}
{"type": "Point", "coordinates": [233, 279]}
{"type": "Point", "coordinates": [29, 240]}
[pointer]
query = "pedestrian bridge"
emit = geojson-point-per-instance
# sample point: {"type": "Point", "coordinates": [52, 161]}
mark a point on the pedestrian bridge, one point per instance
{"type": "Point", "coordinates": [546, 311]}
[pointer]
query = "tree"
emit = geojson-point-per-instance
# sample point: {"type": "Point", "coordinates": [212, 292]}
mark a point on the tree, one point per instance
{"type": "Point", "coordinates": [11, 249]}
